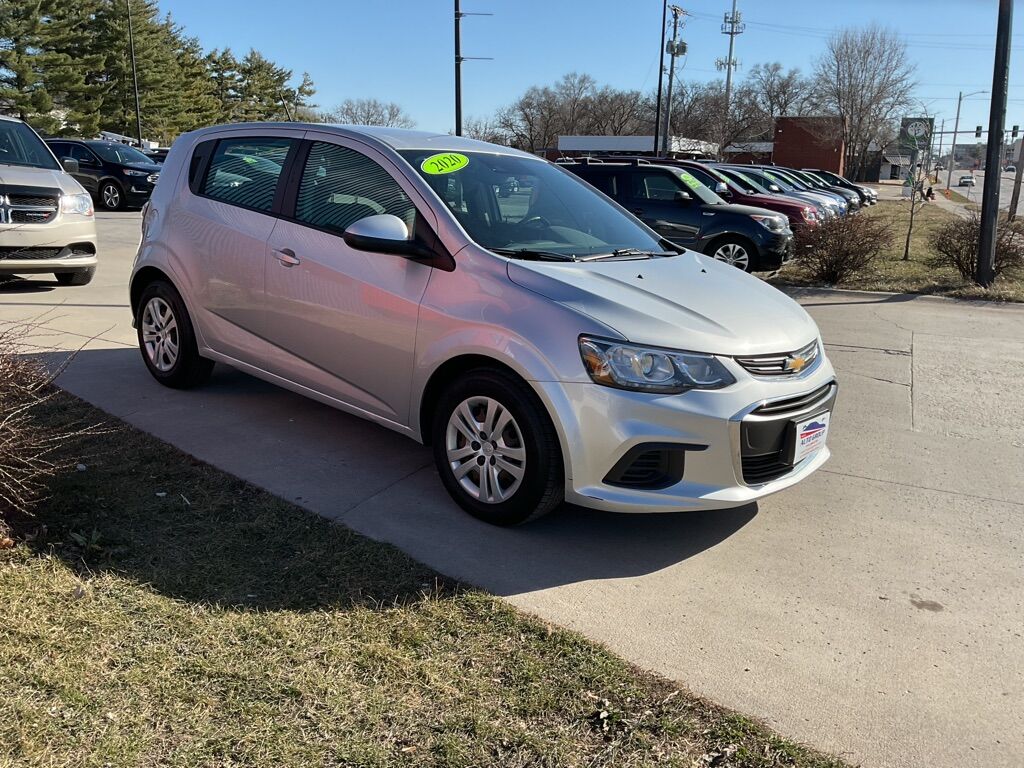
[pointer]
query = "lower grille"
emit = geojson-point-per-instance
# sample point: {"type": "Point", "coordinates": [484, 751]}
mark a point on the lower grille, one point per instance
{"type": "Point", "coordinates": [11, 253]}
{"type": "Point", "coordinates": [764, 469]}
{"type": "Point", "coordinates": [21, 216]}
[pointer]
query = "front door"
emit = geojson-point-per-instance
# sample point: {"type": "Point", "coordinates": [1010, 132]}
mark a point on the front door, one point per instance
{"type": "Point", "coordinates": [339, 320]}
{"type": "Point", "coordinates": [664, 204]}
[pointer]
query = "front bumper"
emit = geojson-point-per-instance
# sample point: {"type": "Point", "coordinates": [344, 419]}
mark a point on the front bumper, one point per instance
{"type": "Point", "coordinates": [64, 245]}
{"type": "Point", "coordinates": [600, 427]}
{"type": "Point", "coordinates": [137, 194]}
{"type": "Point", "coordinates": [775, 249]}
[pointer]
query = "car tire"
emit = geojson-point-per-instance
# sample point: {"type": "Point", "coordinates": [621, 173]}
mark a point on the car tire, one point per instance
{"type": "Point", "coordinates": [78, 277]}
{"type": "Point", "coordinates": [167, 339]}
{"type": "Point", "coordinates": [735, 251]}
{"type": "Point", "coordinates": [111, 196]}
{"type": "Point", "coordinates": [511, 475]}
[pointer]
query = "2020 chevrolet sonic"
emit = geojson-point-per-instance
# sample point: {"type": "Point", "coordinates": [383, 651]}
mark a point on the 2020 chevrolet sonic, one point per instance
{"type": "Point", "coordinates": [546, 343]}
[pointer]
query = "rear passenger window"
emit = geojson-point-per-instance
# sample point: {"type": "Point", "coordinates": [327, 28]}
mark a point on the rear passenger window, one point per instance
{"type": "Point", "coordinates": [655, 186]}
{"type": "Point", "coordinates": [245, 171]}
{"type": "Point", "coordinates": [340, 186]}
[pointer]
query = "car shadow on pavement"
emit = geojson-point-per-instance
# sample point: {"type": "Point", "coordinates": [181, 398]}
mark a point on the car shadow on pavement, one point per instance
{"type": "Point", "coordinates": [365, 477]}
{"type": "Point", "coordinates": [15, 285]}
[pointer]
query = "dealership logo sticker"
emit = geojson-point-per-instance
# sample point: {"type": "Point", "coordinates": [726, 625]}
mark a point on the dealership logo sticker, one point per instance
{"type": "Point", "coordinates": [445, 162]}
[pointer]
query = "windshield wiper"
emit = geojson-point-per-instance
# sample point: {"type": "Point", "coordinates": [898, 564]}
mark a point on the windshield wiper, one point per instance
{"type": "Point", "coordinates": [535, 255]}
{"type": "Point", "coordinates": [629, 253]}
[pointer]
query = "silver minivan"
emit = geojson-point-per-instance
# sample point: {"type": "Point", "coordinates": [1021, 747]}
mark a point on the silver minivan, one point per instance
{"type": "Point", "coordinates": [543, 341]}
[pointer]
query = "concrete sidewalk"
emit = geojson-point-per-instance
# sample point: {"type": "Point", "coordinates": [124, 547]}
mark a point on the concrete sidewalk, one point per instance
{"type": "Point", "coordinates": [874, 611]}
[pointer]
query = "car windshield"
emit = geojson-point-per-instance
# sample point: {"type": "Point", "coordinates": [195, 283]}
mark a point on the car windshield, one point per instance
{"type": "Point", "coordinates": [19, 145]}
{"type": "Point", "coordinates": [700, 187]}
{"type": "Point", "coordinates": [524, 206]}
{"type": "Point", "coordinates": [121, 153]}
{"type": "Point", "coordinates": [790, 180]}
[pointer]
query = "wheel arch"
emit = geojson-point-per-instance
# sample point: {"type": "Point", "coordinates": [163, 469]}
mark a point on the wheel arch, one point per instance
{"type": "Point", "coordinates": [717, 240]}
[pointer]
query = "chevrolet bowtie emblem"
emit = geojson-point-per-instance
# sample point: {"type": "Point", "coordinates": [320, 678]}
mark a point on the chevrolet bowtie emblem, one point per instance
{"type": "Point", "coordinates": [795, 364]}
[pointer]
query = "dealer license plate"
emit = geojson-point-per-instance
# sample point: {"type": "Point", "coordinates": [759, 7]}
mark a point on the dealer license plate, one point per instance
{"type": "Point", "coordinates": [810, 436]}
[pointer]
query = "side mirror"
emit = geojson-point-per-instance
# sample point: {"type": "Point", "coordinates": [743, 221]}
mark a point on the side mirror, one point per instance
{"type": "Point", "coordinates": [722, 189]}
{"type": "Point", "coordinates": [384, 233]}
{"type": "Point", "coordinates": [69, 164]}
{"type": "Point", "coordinates": [682, 197]}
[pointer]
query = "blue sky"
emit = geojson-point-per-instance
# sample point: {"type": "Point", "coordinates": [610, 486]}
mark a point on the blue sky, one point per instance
{"type": "Point", "coordinates": [401, 50]}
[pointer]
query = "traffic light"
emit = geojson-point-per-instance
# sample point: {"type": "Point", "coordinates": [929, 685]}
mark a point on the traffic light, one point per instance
{"type": "Point", "coordinates": [1014, 132]}
{"type": "Point", "coordinates": [977, 132]}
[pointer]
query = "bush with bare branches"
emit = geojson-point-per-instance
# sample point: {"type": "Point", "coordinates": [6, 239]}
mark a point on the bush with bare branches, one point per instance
{"type": "Point", "coordinates": [956, 245]}
{"type": "Point", "coordinates": [838, 249]}
{"type": "Point", "coordinates": [29, 451]}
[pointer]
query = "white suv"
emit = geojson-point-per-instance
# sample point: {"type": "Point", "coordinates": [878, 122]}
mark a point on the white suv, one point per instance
{"type": "Point", "coordinates": [46, 217]}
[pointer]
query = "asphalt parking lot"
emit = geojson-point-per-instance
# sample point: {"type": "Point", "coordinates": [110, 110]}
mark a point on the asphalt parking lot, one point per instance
{"type": "Point", "coordinates": [875, 611]}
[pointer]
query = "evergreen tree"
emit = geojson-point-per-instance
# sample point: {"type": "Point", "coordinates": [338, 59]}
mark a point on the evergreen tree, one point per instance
{"type": "Point", "coordinates": [22, 88]}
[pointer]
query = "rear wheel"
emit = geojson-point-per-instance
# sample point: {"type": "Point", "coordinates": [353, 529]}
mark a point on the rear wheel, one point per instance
{"type": "Point", "coordinates": [734, 252]}
{"type": "Point", "coordinates": [496, 449]}
{"type": "Point", "coordinates": [78, 277]}
{"type": "Point", "coordinates": [167, 340]}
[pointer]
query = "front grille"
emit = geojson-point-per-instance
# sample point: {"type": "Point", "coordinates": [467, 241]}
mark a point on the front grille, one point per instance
{"type": "Point", "coordinates": [783, 363]}
{"type": "Point", "coordinates": [28, 205]}
{"type": "Point", "coordinates": [791, 406]}
{"type": "Point", "coordinates": [37, 200]}
{"type": "Point", "coordinates": [32, 217]}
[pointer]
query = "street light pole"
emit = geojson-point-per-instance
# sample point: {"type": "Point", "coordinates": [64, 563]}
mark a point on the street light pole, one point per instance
{"type": "Point", "coordinates": [135, 73]}
{"type": "Point", "coordinates": [458, 70]}
{"type": "Point", "coordinates": [956, 127]}
{"type": "Point", "coordinates": [994, 151]}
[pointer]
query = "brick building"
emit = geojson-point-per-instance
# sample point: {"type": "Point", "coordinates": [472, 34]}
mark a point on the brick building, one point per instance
{"type": "Point", "coordinates": [809, 142]}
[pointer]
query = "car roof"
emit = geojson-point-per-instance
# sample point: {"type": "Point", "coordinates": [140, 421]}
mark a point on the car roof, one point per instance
{"type": "Point", "coordinates": [392, 138]}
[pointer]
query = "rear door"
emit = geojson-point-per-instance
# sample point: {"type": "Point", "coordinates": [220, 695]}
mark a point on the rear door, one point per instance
{"type": "Point", "coordinates": [236, 183]}
{"type": "Point", "coordinates": [342, 321]}
{"type": "Point", "coordinates": [663, 203]}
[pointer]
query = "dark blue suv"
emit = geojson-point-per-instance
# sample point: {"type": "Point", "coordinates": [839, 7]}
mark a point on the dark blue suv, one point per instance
{"type": "Point", "coordinates": [116, 175]}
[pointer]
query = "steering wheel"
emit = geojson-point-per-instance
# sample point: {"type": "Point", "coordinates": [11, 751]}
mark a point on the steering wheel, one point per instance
{"type": "Point", "coordinates": [535, 222]}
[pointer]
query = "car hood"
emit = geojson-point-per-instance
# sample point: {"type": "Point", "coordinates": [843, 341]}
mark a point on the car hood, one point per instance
{"type": "Point", "coordinates": [737, 208]}
{"type": "Point", "coordinates": [23, 176]}
{"type": "Point", "coordinates": [689, 302]}
{"type": "Point", "coordinates": [777, 201]}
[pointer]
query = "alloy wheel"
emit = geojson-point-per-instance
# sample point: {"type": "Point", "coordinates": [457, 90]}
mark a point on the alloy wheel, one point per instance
{"type": "Point", "coordinates": [160, 334]}
{"type": "Point", "coordinates": [485, 449]}
{"type": "Point", "coordinates": [735, 255]}
{"type": "Point", "coordinates": [111, 196]}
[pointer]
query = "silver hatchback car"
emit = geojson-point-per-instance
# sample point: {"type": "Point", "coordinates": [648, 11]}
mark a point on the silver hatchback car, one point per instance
{"type": "Point", "coordinates": [547, 344]}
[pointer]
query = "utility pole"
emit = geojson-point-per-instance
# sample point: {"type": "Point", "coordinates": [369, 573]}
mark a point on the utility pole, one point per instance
{"type": "Point", "coordinates": [673, 49]}
{"type": "Point", "coordinates": [135, 73]}
{"type": "Point", "coordinates": [996, 120]}
{"type": "Point", "coordinates": [661, 74]}
{"type": "Point", "coordinates": [1018, 174]}
{"type": "Point", "coordinates": [938, 156]}
{"type": "Point", "coordinates": [732, 25]}
{"type": "Point", "coordinates": [459, 58]}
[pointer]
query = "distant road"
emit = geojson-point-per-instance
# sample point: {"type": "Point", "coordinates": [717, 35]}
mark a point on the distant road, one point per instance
{"type": "Point", "coordinates": [974, 193]}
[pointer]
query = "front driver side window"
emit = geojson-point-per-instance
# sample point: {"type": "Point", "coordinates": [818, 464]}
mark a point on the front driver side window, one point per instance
{"type": "Point", "coordinates": [340, 186]}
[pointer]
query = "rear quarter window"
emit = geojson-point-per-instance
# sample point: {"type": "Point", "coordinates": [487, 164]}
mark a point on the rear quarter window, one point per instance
{"type": "Point", "coordinates": [245, 171]}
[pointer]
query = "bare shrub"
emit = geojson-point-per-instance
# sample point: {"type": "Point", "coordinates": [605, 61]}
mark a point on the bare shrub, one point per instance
{"type": "Point", "coordinates": [956, 245]}
{"type": "Point", "coordinates": [29, 450]}
{"type": "Point", "coordinates": [838, 249]}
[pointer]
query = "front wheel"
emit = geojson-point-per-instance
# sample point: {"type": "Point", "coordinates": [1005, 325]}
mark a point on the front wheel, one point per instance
{"type": "Point", "coordinates": [734, 252]}
{"type": "Point", "coordinates": [496, 449]}
{"type": "Point", "coordinates": [167, 340]}
{"type": "Point", "coordinates": [111, 196]}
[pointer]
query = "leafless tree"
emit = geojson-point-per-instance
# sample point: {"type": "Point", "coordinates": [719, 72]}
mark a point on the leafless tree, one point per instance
{"type": "Point", "coordinates": [779, 93]}
{"type": "Point", "coordinates": [615, 113]}
{"type": "Point", "coordinates": [370, 112]}
{"type": "Point", "coordinates": [484, 129]}
{"type": "Point", "coordinates": [866, 78]}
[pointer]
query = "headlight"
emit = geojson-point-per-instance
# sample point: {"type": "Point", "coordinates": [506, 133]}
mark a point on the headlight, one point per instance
{"type": "Point", "coordinates": [129, 172]}
{"type": "Point", "coordinates": [80, 203]}
{"type": "Point", "coordinates": [650, 369]}
{"type": "Point", "coordinates": [771, 223]}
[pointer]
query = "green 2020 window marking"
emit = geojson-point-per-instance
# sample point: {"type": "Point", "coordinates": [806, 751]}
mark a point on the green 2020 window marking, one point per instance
{"type": "Point", "coordinates": [446, 162]}
{"type": "Point", "coordinates": [690, 180]}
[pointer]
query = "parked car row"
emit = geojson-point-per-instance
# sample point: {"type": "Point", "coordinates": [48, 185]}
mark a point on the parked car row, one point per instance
{"type": "Point", "coordinates": [730, 212]}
